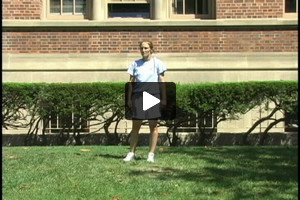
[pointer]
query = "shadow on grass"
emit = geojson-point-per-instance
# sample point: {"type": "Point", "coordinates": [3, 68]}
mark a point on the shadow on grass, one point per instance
{"type": "Point", "coordinates": [118, 157]}
{"type": "Point", "coordinates": [155, 170]}
{"type": "Point", "coordinates": [241, 171]}
{"type": "Point", "coordinates": [110, 156]}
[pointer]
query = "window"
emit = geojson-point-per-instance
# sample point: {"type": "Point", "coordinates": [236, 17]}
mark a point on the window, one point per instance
{"type": "Point", "coordinates": [194, 122]}
{"type": "Point", "coordinates": [129, 10]}
{"type": "Point", "coordinates": [193, 8]}
{"type": "Point", "coordinates": [291, 120]}
{"type": "Point", "coordinates": [67, 9]}
{"type": "Point", "coordinates": [55, 123]}
{"type": "Point", "coordinates": [290, 8]}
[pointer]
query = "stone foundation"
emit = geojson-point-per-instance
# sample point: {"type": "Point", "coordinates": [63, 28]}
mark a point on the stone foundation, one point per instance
{"type": "Point", "coordinates": [223, 139]}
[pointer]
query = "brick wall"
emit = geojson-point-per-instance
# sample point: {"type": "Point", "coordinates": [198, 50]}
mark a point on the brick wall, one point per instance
{"type": "Point", "coordinates": [235, 9]}
{"type": "Point", "coordinates": [165, 41]}
{"type": "Point", "coordinates": [21, 9]}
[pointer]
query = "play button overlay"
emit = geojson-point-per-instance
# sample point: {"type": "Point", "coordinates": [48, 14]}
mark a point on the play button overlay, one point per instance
{"type": "Point", "coordinates": [150, 100]}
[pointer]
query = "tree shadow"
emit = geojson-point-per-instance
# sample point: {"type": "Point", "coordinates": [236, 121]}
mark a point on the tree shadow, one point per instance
{"type": "Point", "coordinates": [270, 170]}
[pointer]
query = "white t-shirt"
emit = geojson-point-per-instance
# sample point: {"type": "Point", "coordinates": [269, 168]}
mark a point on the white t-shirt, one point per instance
{"type": "Point", "coordinates": [147, 70]}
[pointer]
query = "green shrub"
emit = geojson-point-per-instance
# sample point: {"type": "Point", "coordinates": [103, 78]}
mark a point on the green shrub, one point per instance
{"type": "Point", "coordinates": [104, 103]}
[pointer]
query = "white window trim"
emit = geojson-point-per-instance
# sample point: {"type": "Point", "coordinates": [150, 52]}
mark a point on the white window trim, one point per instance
{"type": "Point", "coordinates": [50, 129]}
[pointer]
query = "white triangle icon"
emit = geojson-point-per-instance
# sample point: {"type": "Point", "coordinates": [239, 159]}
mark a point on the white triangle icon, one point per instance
{"type": "Point", "coordinates": [149, 101]}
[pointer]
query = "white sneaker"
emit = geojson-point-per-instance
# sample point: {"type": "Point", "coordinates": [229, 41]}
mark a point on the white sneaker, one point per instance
{"type": "Point", "coordinates": [151, 157]}
{"type": "Point", "coordinates": [130, 156]}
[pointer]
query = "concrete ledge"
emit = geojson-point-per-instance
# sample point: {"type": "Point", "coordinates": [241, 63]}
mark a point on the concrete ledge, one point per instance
{"type": "Point", "coordinates": [182, 67]}
{"type": "Point", "coordinates": [150, 23]}
{"type": "Point", "coordinates": [174, 61]}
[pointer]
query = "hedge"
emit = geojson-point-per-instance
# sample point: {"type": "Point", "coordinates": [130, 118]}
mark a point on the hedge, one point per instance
{"type": "Point", "coordinates": [26, 104]}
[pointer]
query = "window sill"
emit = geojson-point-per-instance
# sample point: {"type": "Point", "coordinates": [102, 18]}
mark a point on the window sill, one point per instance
{"type": "Point", "coordinates": [148, 23]}
{"type": "Point", "coordinates": [290, 15]}
{"type": "Point", "coordinates": [191, 17]}
{"type": "Point", "coordinates": [66, 17]}
{"type": "Point", "coordinates": [127, 18]}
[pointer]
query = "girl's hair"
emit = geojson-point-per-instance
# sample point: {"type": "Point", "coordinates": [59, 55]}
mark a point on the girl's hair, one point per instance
{"type": "Point", "coordinates": [150, 45]}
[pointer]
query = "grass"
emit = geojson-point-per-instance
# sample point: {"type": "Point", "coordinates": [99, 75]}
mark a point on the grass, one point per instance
{"type": "Point", "coordinates": [180, 173]}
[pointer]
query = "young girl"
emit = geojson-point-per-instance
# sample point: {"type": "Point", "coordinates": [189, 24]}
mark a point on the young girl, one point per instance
{"type": "Point", "coordinates": [147, 69]}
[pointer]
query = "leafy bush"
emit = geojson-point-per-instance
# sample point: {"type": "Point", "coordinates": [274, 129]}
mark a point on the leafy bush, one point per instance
{"type": "Point", "coordinates": [25, 105]}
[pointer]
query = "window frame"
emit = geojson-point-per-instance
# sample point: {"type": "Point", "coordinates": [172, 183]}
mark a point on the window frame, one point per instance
{"type": "Point", "coordinates": [68, 16]}
{"type": "Point", "coordinates": [142, 18]}
{"type": "Point", "coordinates": [290, 15]}
{"type": "Point", "coordinates": [191, 125]}
{"type": "Point", "coordinates": [210, 15]}
{"type": "Point", "coordinates": [55, 127]}
{"type": "Point", "coordinates": [129, 2]}
{"type": "Point", "coordinates": [291, 122]}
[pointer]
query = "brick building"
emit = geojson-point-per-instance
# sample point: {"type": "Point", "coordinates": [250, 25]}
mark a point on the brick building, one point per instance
{"type": "Point", "coordinates": [199, 40]}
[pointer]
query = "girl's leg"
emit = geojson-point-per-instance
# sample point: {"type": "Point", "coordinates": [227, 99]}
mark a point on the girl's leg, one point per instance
{"type": "Point", "coordinates": [153, 135]}
{"type": "Point", "coordinates": [134, 135]}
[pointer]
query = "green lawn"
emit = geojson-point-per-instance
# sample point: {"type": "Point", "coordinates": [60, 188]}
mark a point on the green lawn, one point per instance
{"type": "Point", "coordinates": [187, 173]}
